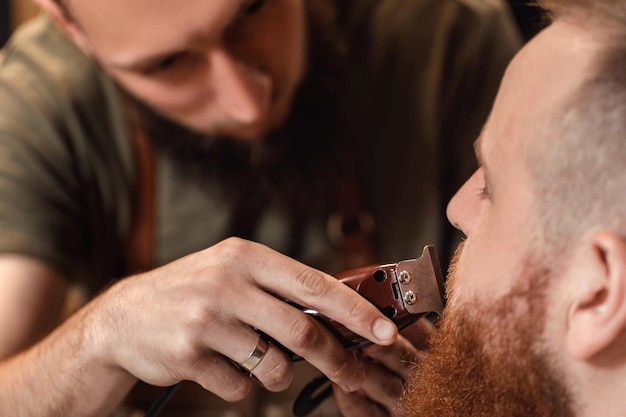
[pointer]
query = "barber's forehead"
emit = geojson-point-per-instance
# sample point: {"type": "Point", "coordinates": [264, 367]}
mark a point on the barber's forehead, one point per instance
{"type": "Point", "coordinates": [122, 27]}
{"type": "Point", "coordinates": [151, 10]}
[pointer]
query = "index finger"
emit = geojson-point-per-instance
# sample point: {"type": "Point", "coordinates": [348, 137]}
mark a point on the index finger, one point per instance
{"type": "Point", "coordinates": [317, 290]}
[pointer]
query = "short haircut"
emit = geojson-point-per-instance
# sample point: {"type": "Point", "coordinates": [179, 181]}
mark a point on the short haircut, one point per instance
{"type": "Point", "coordinates": [579, 169]}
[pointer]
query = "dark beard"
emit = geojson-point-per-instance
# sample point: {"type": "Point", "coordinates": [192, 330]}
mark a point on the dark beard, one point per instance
{"type": "Point", "coordinates": [487, 360]}
{"type": "Point", "coordinates": [292, 165]}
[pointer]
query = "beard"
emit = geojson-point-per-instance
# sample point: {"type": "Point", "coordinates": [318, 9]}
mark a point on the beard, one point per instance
{"type": "Point", "coordinates": [488, 359]}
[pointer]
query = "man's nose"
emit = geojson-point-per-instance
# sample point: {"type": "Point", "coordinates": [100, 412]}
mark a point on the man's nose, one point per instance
{"type": "Point", "coordinates": [464, 208]}
{"type": "Point", "coordinates": [243, 92]}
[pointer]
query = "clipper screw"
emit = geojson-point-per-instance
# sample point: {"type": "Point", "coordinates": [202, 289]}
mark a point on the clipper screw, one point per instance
{"type": "Point", "coordinates": [410, 298]}
{"type": "Point", "coordinates": [405, 277]}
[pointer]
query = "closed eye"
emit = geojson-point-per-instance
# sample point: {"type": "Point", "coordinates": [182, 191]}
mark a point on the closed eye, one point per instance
{"type": "Point", "coordinates": [250, 8]}
{"type": "Point", "coordinates": [166, 63]}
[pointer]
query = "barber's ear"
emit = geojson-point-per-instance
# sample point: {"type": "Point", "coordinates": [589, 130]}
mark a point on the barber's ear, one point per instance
{"type": "Point", "coordinates": [597, 317]}
{"type": "Point", "coordinates": [67, 23]}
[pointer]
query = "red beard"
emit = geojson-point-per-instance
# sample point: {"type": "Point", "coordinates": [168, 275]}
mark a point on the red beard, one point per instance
{"type": "Point", "coordinates": [488, 360]}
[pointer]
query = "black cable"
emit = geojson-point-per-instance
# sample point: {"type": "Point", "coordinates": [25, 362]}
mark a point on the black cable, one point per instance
{"type": "Point", "coordinates": [312, 395]}
{"type": "Point", "coordinates": [160, 402]}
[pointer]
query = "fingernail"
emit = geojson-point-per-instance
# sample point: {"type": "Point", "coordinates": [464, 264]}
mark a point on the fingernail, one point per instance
{"type": "Point", "coordinates": [384, 330]}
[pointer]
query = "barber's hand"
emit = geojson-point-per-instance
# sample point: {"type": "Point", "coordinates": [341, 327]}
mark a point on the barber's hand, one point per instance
{"type": "Point", "coordinates": [191, 319]}
{"type": "Point", "coordinates": [386, 367]}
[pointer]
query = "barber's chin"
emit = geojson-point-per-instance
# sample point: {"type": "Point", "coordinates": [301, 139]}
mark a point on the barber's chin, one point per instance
{"type": "Point", "coordinates": [241, 134]}
{"type": "Point", "coordinates": [244, 133]}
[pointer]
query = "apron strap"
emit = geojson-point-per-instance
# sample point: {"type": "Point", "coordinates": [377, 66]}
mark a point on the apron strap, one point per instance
{"type": "Point", "coordinates": [140, 244]}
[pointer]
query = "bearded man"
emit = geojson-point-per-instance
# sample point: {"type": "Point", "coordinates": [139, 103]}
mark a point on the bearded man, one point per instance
{"type": "Point", "coordinates": [172, 142]}
{"type": "Point", "coordinates": [536, 317]}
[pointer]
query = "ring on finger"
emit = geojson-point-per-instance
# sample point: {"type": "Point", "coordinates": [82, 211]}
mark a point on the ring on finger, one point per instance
{"type": "Point", "coordinates": [255, 356]}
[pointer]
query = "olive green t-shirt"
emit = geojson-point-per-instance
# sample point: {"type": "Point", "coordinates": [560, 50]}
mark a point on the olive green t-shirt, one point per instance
{"type": "Point", "coordinates": [66, 168]}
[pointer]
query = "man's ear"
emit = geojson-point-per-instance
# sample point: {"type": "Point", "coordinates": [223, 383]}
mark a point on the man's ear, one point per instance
{"type": "Point", "coordinates": [61, 15]}
{"type": "Point", "coordinates": [597, 316]}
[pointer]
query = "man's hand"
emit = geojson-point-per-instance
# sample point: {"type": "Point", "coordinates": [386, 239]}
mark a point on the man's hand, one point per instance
{"type": "Point", "coordinates": [191, 319]}
{"type": "Point", "coordinates": [385, 369]}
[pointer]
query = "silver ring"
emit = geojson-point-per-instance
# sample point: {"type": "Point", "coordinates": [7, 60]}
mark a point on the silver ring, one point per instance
{"type": "Point", "coordinates": [255, 357]}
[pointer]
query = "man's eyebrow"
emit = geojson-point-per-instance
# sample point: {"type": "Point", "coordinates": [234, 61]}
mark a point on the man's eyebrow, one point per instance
{"type": "Point", "coordinates": [477, 149]}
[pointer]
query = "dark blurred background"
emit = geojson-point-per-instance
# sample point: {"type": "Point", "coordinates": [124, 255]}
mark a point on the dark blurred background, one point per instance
{"type": "Point", "coordinates": [528, 17]}
{"type": "Point", "coordinates": [5, 23]}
